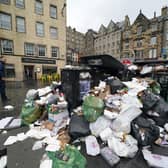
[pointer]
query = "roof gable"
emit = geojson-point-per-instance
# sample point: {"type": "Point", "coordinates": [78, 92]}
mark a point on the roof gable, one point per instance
{"type": "Point", "coordinates": [102, 29]}
{"type": "Point", "coordinates": [111, 26]}
{"type": "Point", "coordinates": [141, 20]}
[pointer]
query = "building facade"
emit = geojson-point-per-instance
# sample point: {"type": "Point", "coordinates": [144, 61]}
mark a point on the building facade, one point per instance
{"type": "Point", "coordinates": [32, 37]}
{"type": "Point", "coordinates": [108, 40]}
{"type": "Point", "coordinates": [75, 45]}
{"type": "Point", "coordinates": [164, 14]}
{"type": "Point", "coordinates": [144, 38]}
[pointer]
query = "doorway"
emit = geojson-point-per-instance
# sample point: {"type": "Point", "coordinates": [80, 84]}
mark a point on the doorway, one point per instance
{"type": "Point", "coordinates": [28, 72]}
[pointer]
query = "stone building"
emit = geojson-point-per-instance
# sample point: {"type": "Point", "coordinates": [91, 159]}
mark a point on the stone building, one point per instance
{"type": "Point", "coordinates": [32, 37]}
{"type": "Point", "coordinates": [143, 39]}
{"type": "Point", "coordinates": [89, 42]}
{"type": "Point", "coordinates": [108, 39]}
{"type": "Point", "coordinates": [164, 14]}
{"type": "Point", "coordinates": [75, 45]}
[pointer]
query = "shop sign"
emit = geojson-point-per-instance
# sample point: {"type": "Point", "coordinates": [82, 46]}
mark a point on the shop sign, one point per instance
{"type": "Point", "coordinates": [38, 61]}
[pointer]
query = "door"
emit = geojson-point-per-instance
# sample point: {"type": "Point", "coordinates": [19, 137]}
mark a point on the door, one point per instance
{"type": "Point", "coordinates": [28, 72]}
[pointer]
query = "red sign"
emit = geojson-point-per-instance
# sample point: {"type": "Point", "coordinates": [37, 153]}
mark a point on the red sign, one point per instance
{"type": "Point", "coordinates": [126, 62]}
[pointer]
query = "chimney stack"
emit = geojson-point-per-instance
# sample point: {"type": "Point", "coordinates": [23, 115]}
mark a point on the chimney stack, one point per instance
{"type": "Point", "coordinates": [154, 14]}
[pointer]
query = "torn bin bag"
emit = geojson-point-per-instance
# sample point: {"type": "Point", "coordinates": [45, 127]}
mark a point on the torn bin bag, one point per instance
{"type": "Point", "coordinates": [127, 148]}
{"type": "Point", "coordinates": [144, 131]}
{"type": "Point", "coordinates": [148, 100]}
{"type": "Point", "coordinates": [78, 127]}
{"type": "Point", "coordinates": [160, 112]}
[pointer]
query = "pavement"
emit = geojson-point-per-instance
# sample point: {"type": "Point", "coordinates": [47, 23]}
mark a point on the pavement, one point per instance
{"type": "Point", "coordinates": [16, 92]}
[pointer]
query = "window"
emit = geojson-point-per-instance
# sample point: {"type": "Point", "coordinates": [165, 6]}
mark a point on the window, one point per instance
{"type": "Point", "coordinates": [127, 34]}
{"type": "Point", "coordinates": [6, 46]}
{"type": "Point", "coordinates": [53, 32]}
{"type": "Point", "coordinates": [139, 43]}
{"type": "Point", "coordinates": [5, 1]}
{"type": "Point", "coordinates": [139, 54]}
{"type": "Point", "coordinates": [54, 52]}
{"type": "Point", "coordinates": [39, 7]}
{"type": "Point", "coordinates": [5, 21]}
{"type": "Point", "coordinates": [153, 41]}
{"type": "Point", "coordinates": [53, 11]}
{"type": "Point", "coordinates": [113, 44]}
{"type": "Point", "coordinates": [118, 43]}
{"type": "Point", "coordinates": [20, 3]}
{"type": "Point", "coordinates": [41, 50]}
{"type": "Point", "coordinates": [154, 27]}
{"type": "Point", "coordinates": [152, 53]}
{"type": "Point", "coordinates": [39, 29]}
{"type": "Point", "coordinates": [20, 24]}
{"type": "Point", "coordinates": [127, 45]}
{"type": "Point", "coordinates": [139, 30]}
{"type": "Point", "coordinates": [10, 70]}
{"type": "Point", "coordinates": [29, 49]}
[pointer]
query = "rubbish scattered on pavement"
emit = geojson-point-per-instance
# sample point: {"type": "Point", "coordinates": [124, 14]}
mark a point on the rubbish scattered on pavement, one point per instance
{"type": "Point", "coordinates": [9, 107]}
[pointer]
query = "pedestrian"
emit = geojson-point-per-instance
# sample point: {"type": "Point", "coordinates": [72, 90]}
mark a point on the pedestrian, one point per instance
{"type": "Point", "coordinates": [2, 80]}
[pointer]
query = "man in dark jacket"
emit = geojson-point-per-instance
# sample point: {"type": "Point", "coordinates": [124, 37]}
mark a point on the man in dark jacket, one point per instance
{"type": "Point", "coordinates": [2, 80]}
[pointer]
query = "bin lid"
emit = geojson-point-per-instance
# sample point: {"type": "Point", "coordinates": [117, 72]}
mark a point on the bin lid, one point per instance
{"type": "Point", "coordinates": [102, 61]}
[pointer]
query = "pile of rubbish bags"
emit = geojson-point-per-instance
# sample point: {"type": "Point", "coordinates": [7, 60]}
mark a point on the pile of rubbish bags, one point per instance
{"type": "Point", "coordinates": [115, 120]}
{"type": "Point", "coordinates": [125, 117]}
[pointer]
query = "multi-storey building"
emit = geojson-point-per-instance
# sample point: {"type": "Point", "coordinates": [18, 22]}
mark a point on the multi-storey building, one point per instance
{"type": "Point", "coordinates": [32, 37]}
{"type": "Point", "coordinates": [143, 39]}
{"type": "Point", "coordinates": [164, 14]}
{"type": "Point", "coordinates": [108, 40]}
{"type": "Point", "coordinates": [75, 45]}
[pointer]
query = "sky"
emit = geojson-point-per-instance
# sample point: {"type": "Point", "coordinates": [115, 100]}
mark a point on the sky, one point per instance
{"type": "Point", "coordinates": [90, 14]}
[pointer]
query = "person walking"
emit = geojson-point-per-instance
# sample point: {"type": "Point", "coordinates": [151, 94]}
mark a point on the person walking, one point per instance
{"type": "Point", "coordinates": [2, 80]}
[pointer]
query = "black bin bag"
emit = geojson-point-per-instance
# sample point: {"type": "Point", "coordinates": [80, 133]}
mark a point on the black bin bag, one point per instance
{"type": "Point", "coordinates": [78, 127]}
{"type": "Point", "coordinates": [160, 112]}
{"type": "Point", "coordinates": [115, 84]}
{"type": "Point", "coordinates": [155, 107]}
{"type": "Point", "coordinates": [144, 131]}
{"type": "Point", "coordinates": [148, 100]}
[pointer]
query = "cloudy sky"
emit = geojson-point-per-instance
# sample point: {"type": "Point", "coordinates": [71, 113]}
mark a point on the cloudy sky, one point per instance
{"type": "Point", "coordinates": [86, 14]}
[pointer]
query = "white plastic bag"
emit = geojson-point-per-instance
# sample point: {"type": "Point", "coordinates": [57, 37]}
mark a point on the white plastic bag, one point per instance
{"type": "Point", "coordinates": [118, 146]}
{"type": "Point", "coordinates": [31, 94]}
{"type": "Point", "coordinates": [99, 125]}
{"type": "Point", "coordinates": [131, 101]}
{"type": "Point", "coordinates": [45, 162]}
{"type": "Point", "coordinates": [146, 69]}
{"type": "Point", "coordinates": [105, 134]}
{"type": "Point", "coordinates": [122, 123]}
{"type": "Point", "coordinates": [3, 161]}
{"type": "Point", "coordinates": [119, 125]}
{"type": "Point", "coordinates": [110, 115]}
{"type": "Point", "coordinates": [155, 160]}
{"type": "Point", "coordinates": [166, 127]}
{"type": "Point", "coordinates": [109, 156]}
{"type": "Point", "coordinates": [92, 146]}
{"type": "Point", "coordinates": [128, 148]}
{"type": "Point", "coordinates": [37, 145]}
